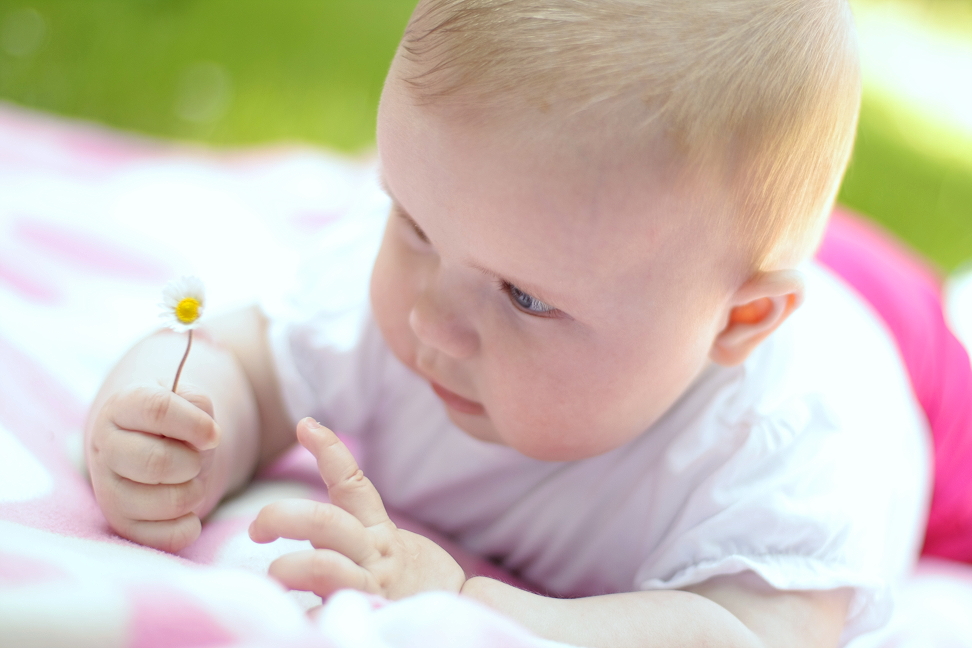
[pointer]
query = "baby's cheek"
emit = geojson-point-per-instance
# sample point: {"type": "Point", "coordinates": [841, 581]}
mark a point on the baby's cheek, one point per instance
{"type": "Point", "coordinates": [521, 395]}
{"type": "Point", "coordinates": [391, 301]}
{"type": "Point", "coordinates": [542, 421]}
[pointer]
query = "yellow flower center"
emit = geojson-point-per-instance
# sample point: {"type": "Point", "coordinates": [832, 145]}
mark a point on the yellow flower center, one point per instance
{"type": "Point", "coordinates": [187, 310]}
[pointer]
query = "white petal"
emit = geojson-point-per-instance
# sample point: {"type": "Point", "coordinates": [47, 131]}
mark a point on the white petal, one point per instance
{"type": "Point", "coordinates": [173, 293]}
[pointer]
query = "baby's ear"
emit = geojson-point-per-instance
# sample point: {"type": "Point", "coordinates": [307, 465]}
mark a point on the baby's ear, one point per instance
{"type": "Point", "coordinates": [758, 307]}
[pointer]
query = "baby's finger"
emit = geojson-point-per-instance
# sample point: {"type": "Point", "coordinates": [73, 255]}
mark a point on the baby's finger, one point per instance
{"type": "Point", "coordinates": [167, 535]}
{"type": "Point", "coordinates": [347, 486]}
{"type": "Point", "coordinates": [321, 571]}
{"type": "Point", "coordinates": [158, 411]}
{"type": "Point", "coordinates": [325, 525]}
{"type": "Point", "coordinates": [201, 401]}
{"type": "Point", "coordinates": [146, 502]}
{"type": "Point", "coordinates": [150, 459]}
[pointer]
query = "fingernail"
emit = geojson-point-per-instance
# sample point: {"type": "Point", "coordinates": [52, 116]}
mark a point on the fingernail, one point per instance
{"type": "Point", "coordinates": [213, 441]}
{"type": "Point", "coordinates": [312, 423]}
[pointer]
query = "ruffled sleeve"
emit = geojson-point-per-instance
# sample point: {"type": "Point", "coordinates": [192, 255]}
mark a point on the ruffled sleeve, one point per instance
{"type": "Point", "coordinates": [825, 485]}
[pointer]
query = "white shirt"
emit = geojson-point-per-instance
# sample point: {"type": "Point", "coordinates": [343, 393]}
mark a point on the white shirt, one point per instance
{"type": "Point", "coordinates": [808, 465]}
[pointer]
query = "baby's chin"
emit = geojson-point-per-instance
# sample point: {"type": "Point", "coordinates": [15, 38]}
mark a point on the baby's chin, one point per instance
{"type": "Point", "coordinates": [482, 428]}
{"type": "Point", "coordinates": [478, 426]}
{"type": "Point", "coordinates": [533, 446]}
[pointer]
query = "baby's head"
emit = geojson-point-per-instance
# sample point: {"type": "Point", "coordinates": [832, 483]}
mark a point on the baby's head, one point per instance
{"type": "Point", "coordinates": [594, 199]}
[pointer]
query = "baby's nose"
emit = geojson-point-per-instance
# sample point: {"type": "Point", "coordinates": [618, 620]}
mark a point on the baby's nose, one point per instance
{"type": "Point", "coordinates": [442, 326]}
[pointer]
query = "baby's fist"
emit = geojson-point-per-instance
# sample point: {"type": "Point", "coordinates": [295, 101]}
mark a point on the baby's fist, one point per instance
{"type": "Point", "coordinates": [149, 452]}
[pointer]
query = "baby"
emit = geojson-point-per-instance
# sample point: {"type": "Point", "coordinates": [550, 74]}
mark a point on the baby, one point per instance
{"type": "Point", "coordinates": [595, 349]}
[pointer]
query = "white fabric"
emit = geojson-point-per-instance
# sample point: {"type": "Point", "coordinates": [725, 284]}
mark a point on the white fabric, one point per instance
{"type": "Point", "coordinates": [808, 465]}
{"type": "Point", "coordinates": [931, 610]}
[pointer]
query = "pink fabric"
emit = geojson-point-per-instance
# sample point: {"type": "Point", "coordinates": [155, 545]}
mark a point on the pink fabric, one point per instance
{"type": "Point", "coordinates": [87, 252]}
{"type": "Point", "coordinates": [906, 293]}
{"type": "Point", "coordinates": [41, 412]}
{"type": "Point", "coordinates": [22, 570]}
{"type": "Point", "coordinates": [165, 616]}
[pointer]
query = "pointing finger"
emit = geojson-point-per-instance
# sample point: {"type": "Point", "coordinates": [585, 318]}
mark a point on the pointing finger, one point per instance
{"type": "Point", "coordinates": [347, 486]}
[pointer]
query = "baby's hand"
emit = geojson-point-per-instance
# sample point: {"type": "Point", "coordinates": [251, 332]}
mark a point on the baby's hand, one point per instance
{"type": "Point", "coordinates": [356, 545]}
{"type": "Point", "coordinates": [149, 453]}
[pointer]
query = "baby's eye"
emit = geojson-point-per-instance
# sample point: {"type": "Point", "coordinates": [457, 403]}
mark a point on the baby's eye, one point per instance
{"type": "Point", "coordinates": [412, 224]}
{"type": "Point", "coordinates": [527, 302]}
{"type": "Point", "coordinates": [418, 231]}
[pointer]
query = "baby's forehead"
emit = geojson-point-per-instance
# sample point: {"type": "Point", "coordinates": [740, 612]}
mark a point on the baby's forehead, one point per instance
{"type": "Point", "coordinates": [570, 187]}
{"type": "Point", "coordinates": [585, 233]}
{"type": "Point", "coordinates": [764, 92]}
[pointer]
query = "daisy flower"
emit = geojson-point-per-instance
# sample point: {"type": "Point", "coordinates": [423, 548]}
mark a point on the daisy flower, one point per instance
{"type": "Point", "coordinates": [182, 305]}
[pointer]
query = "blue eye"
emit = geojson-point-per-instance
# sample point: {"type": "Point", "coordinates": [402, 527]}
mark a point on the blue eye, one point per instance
{"type": "Point", "coordinates": [527, 302]}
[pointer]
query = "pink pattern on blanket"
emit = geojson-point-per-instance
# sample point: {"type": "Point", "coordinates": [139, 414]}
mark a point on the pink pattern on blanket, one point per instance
{"type": "Point", "coordinates": [163, 616]}
{"type": "Point", "coordinates": [214, 537]}
{"type": "Point", "coordinates": [311, 222]}
{"type": "Point", "coordinates": [25, 570]}
{"type": "Point", "coordinates": [28, 285]}
{"type": "Point", "coordinates": [78, 148]}
{"type": "Point", "coordinates": [42, 414]}
{"type": "Point", "coordinates": [906, 293]}
{"type": "Point", "coordinates": [89, 252]}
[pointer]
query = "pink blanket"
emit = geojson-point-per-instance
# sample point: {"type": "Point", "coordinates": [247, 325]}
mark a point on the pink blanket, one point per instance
{"type": "Point", "coordinates": [92, 223]}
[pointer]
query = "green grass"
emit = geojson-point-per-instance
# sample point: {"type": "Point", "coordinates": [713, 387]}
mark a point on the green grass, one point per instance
{"type": "Point", "coordinates": [916, 189]}
{"type": "Point", "coordinates": [296, 69]}
{"type": "Point", "coordinates": [239, 72]}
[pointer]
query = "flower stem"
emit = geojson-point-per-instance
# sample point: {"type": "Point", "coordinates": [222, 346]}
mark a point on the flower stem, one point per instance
{"type": "Point", "coordinates": [182, 364]}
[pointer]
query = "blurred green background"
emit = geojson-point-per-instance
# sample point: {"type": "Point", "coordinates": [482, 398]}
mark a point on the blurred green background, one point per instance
{"type": "Point", "coordinates": [240, 72]}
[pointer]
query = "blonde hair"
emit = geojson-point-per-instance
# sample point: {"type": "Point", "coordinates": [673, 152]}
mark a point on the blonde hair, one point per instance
{"type": "Point", "coordinates": [765, 91]}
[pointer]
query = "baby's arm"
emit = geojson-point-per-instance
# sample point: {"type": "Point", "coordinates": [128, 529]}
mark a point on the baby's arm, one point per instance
{"type": "Point", "coordinates": [357, 546]}
{"type": "Point", "coordinates": [725, 611]}
{"type": "Point", "coordinates": [161, 461]}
